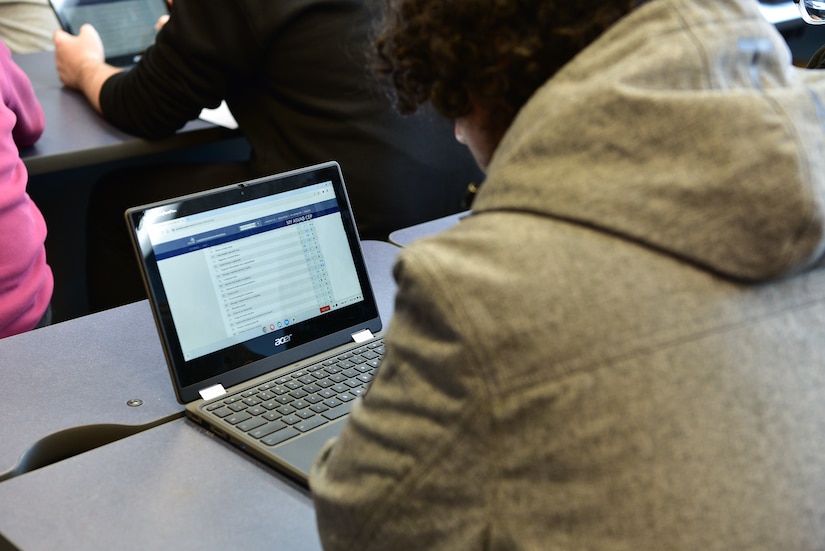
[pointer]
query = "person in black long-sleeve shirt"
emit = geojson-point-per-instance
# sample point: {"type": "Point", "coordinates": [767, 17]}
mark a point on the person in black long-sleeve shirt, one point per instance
{"type": "Point", "coordinates": [294, 75]}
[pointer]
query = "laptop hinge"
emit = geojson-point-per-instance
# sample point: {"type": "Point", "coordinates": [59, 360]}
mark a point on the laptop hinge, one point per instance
{"type": "Point", "coordinates": [212, 392]}
{"type": "Point", "coordinates": [362, 336]}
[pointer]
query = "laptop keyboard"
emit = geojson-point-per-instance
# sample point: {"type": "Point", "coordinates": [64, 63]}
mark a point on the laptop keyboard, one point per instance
{"type": "Point", "coordinates": [302, 400]}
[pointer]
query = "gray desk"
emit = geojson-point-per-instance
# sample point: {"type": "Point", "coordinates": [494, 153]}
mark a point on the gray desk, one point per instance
{"type": "Point", "coordinates": [405, 236]}
{"type": "Point", "coordinates": [66, 387]}
{"type": "Point", "coordinates": [77, 136]}
{"type": "Point", "coordinates": [149, 479]}
{"type": "Point", "coordinates": [171, 487]}
{"type": "Point", "coordinates": [380, 257]}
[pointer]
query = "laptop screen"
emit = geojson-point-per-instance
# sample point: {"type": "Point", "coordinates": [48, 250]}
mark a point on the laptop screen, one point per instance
{"type": "Point", "coordinates": [251, 271]}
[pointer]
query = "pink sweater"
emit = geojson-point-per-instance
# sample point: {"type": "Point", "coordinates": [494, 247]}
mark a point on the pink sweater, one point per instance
{"type": "Point", "coordinates": [26, 281]}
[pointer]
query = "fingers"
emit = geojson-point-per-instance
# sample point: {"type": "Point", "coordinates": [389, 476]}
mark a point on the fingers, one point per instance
{"type": "Point", "coordinates": [74, 54]}
{"type": "Point", "coordinates": [59, 35]}
{"type": "Point", "coordinates": [161, 22]}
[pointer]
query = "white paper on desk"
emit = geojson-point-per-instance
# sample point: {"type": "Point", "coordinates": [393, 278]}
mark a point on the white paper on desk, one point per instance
{"type": "Point", "coordinates": [220, 116]}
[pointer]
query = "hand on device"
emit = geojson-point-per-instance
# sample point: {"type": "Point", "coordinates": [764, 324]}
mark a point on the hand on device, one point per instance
{"type": "Point", "coordinates": [163, 18]}
{"type": "Point", "coordinates": [73, 54]}
{"type": "Point", "coordinates": [81, 63]}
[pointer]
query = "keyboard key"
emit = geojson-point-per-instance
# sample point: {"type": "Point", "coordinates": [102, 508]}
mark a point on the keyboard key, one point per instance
{"type": "Point", "coordinates": [223, 412]}
{"type": "Point", "coordinates": [332, 402]}
{"type": "Point", "coordinates": [237, 418]}
{"type": "Point", "coordinates": [267, 429]}
{"type": "Point", "coordinates": [310, 424]}
{"type": "Point", "coordinates": [253, 423]}
{"type": "Point", "coordinates": [280, 436]}
{"type": "Point", "coordinates": [271, 416]}
{"type": "Point", "coordinates": [337, 411]}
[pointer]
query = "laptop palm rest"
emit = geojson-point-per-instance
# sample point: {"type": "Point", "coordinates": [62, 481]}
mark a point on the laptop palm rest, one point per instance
{"type": "Point", "coordinates": [301, 452]}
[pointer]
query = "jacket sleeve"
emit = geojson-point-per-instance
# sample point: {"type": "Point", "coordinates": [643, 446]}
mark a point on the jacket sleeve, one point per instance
{"type": "Point", "coordinates": [196, 57]}
{"type": "Point", "coordinates": [408, 459]}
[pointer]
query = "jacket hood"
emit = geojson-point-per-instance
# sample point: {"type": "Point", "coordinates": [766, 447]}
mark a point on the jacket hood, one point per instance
{"type": "Point", "coordinates": [684, 127]}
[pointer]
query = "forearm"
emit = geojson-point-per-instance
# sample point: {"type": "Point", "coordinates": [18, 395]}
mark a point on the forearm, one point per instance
{"type": "Point", "coordinates": [91, 81]}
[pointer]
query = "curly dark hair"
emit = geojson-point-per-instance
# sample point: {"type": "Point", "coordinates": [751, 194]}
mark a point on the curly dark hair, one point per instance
{"type": "Point", "coordinates": [497, 51]}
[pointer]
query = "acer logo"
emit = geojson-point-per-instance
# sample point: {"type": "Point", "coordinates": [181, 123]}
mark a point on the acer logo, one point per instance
{"type": "Point", "coordinates": [283, 340]}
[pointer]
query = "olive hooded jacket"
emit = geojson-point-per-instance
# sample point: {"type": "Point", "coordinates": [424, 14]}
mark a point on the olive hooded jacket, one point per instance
{"type": "Point", "coordinates": [623, 346]}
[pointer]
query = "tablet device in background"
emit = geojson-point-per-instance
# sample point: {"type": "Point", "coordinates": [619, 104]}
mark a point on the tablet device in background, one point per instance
{"type": "Point", "coordinates": [126, 27]}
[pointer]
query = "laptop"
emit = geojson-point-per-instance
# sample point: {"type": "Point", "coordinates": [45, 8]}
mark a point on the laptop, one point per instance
{"type": "Point", "coordinates": [264, 309]}
{"type": "Point", "coordinates": [126, 27]}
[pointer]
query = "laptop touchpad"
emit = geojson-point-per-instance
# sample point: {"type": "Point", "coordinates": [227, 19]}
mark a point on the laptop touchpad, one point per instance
{"type": "Point", "coordinates": [301, 452]}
